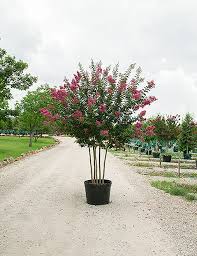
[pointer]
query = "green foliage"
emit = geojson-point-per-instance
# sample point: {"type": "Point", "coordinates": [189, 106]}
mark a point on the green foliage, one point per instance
{"type": "Point", "coordinates": [188, 135]}
{"type": "Point", "coordinates": [30, 118]}
{"type": "Point", "coordinates": [167, 128]}
{"type": "Point", "coordinates": [12, 75]}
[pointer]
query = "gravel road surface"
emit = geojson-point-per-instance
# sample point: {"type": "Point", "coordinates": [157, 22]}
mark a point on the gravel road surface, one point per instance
{"type": "Point", "coordinates": [43, 210]}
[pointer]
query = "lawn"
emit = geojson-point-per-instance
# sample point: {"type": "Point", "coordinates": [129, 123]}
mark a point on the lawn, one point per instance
{"type": "Point", "coordinates": [15, 146]}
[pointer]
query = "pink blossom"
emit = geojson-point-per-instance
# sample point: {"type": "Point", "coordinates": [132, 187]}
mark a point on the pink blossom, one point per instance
{"type": "Point", "coordinates": [138, 125]}
{"type": "Point", "coordinates": [55, 117]}
{"type": "Point", "coordinates": [77, 114]}
{"type": "Point", "coordinates": [122, 87]}
{"type": "Point", "coordinates": [102, 108]}
{"type": "Point", "coordinates": [142, 113]}
{"type": "Point", "coordinates": [111, 80]}
{"type": "Point", "coordinates": [73, 85]}
{"type": "Point", "coordinates": [150, 130]}
{"type": "Point", "coordinates": [133, 81]}
{"type": "Point", "coordinates": [91, 101]}
{"type": "Point", "coordinates": [98, 95]}
{"type": "Point", "coordinates": [75, 100]}
{"type": "Point", "coordinates": [99, 70]}
{"type": "Point", "coordinates": [110, 90]}
{"type": "Point", "coordinates": [148, 101]}
{"type": "Point", "coordinates": [59, 94]}
{"type": "Point", "coordinates": [95, 80]}
{"type": "Point", "coordinates": [137, 95]}
{"type": "Point", "coordinates": [117, 113]}
{"type": "Point", "coordinates": [45, 112]}
{"type": "Point", "coordinates": [105, 72]}
{"type": "Point", "coordinates": [151, 84]}
{"type": "Point", "coordinates": [77, 77]}
{"type": "Point", "coordinates": [98, 123]}
{"type": "Point", "coordinates": [104, 132]}
{"type": "Point", "coordinates": [136, 107]}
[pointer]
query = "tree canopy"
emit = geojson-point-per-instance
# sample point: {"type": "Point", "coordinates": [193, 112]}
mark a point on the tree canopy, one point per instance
{"type": "Point", "coordinates": [12, 75]}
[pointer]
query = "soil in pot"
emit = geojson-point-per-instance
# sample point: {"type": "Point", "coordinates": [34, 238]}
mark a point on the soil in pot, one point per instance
{"type": "Point", "coordinates": [156, 154]}
{"type": "Point", "coordinates": [167, 158]}
{"type": "Point", "coordinates": [97, 194]}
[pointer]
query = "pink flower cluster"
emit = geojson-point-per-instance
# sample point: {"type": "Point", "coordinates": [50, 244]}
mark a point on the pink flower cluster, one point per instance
{"type": "Point", "coordinates": [133, 81]}
{"type": "Point", "coordinates": [59, 94]}
{"type": "Point", "coordinates": [45, 112]}
{"type": "Point", "coordinates": [151, 84]}
{"type": "Point", "coordinates": [142, 113]}
{"type": "Point", "coordinates": [99, 123]}
{"type": "Point", "coordinates": [104, 133]}
{"type": "Point", "coordinates": [117, 113]}
{"type": "Point", "coordinates": [150, 130]}
{"type": "Point", "coordinates": [91, 101]}
{"type": "Point", "coordinates": [102, 108]}
{"type": "Point", "coordinates": [110, 90]}
{"type": "Point", "coordinates": [138, 125]}
{"type": "Point", "coordinates": [122, 87]}
{"type": "Point", "coordinates": [148, 101]}
{"type": "Point", "coordinates": [111, 80]}
{"type": "Point", "coordinates": [78, 115]}
{"type": "Point", "coordinates": [136, 94]}
{"type": "Point", "coordinates": [75, 82]}
{"type": "Point", "coordinates": [75, 100]}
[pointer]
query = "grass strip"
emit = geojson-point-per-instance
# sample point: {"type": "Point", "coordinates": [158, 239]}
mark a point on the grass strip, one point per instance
{"type": "Point", "coordinates": [185, 190]}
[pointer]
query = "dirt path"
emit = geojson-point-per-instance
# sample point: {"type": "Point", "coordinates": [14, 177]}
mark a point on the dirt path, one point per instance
{"type": "Point", "coordinates": [43, 209]}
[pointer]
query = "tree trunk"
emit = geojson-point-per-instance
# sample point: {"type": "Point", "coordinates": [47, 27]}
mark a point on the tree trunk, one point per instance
{"type": "Point", "coordinates": [30, 139]}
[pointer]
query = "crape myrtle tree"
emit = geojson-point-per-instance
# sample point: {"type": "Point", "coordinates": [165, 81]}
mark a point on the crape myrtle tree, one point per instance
{"type": "Point", "coordinates": [143, 130]}
{"type": "Point", "coordinates": [30, 117]}
{"type": "Point", "coordinates": [188, 134]}
{"type": "Point", "coordinates": [12, 75]}
{"type": "Point", "coordinates": [97, 107]}
{"type": "Point", "coordinates": [167, 128]}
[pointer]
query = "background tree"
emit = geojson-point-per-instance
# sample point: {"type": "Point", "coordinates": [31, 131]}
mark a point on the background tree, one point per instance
{"type": "Point", "coordinates": [12, 75]}
{"type": "Point", "coordinates": [30, 117]}
{"type": "Point", "coordinates": [167, 128]}
{"type": "Point", "coordinates": [188, 134]}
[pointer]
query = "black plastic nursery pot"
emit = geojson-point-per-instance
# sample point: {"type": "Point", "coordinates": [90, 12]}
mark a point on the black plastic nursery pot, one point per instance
{"type": "Point", "coordinates": [156, 154]}
{"type": "Point", "coordinates": [97, 194]}
{"type": "Point", "coordinates": [187, 156]}
{"type": "Point", "coordinates": [135, 148]}
{"type": "Point", "coordinates": [142, 150]}
{"type": "Point", "coordinates": [167, 158]}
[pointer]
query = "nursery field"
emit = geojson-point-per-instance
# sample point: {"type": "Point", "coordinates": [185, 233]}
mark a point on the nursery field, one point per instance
{"type": "Point", "coordinates": [178, 177]}
{"type": "Point", "coordinates": [12, 147]}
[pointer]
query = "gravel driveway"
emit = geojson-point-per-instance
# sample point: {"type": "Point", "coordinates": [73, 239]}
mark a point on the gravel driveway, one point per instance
{"type": "Point", "coordinates": [43, 210]}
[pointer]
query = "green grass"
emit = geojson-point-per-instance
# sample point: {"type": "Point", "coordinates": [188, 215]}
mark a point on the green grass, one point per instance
{"type": "Point", "coordinates": [173, 174]}
{"type": "Point", "coordinates": [173, 188]}
{"type": "Point", "coordinates": [15, 146]}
